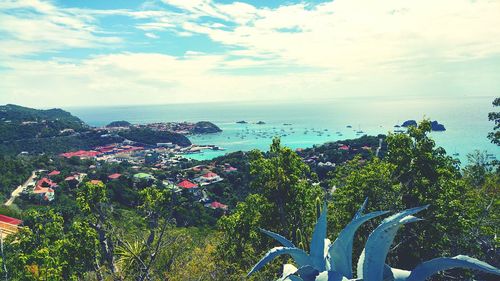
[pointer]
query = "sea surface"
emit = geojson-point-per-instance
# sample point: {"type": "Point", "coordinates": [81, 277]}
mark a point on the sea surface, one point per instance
{"type": "Point", "coordinates": [304, 124]}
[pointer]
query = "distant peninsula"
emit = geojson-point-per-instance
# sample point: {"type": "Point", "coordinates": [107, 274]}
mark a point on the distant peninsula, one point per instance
{"type": "Point", "coordinates": [28, 130]}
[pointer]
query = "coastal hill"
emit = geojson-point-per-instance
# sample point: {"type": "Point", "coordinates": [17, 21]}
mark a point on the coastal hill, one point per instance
{"type": "Point", "coordinates": [17, 123]}
{"type": "Point", "coordinates": [205, 127]}
{"type": "Point", "coordinates": [29, 130]}
{"type": "Point", "coordinates": [115, 124]}
{"type": "Point", "coordinates": [16, 113]}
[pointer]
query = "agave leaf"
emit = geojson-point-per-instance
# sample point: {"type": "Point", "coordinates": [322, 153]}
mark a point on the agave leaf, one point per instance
{"type": "Point", "coordinates": [361, 209]}
{"type": "Point", "coordinates": [330, 276]}
{"type": "Point", "coordinates": [328, 243]}
{"type": "Point", "coordinates": [282, 240]}
{"type": "Point", "coordinates": [307, 273]}
{"type": "Point", "coordinates": [293, 278]}
{"type": "Point", "coordinates": [377, 248]}
{"type": "Point", "coordinates": [394, 274]}
{"type": "Point", "coordinates": [317, 248]}
{"type": "Point", "coordinates": [429, 268]}
{"type": "Point", "coordinates": [372, 260]}
{"type": "Point", "coordinates": [299, 256]}
{"type": "Point", "coordinates": [288, 269]}
{"type": "Point", "coordinates": [340, 253]}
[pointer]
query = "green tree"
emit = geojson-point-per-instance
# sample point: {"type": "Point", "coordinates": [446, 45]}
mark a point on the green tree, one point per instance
{"type": "Point", "coordinates": [93, 202]}
{"type": "Point", "coordinates": [288, 184]}
{"type": "Point", "coordinates": [139, 257]}
{"type": "Point", "coordinates": [284, 200]}
{"type": "Point", "coordinates": [44, 249]}
{"type": "Point", "coordinates": [414, 173]}
{"type": "Point", "coordinates": [494, 136]}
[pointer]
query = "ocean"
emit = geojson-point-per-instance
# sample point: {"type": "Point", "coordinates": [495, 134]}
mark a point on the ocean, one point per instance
{"type": "Point", "coordinates": [304, 124]}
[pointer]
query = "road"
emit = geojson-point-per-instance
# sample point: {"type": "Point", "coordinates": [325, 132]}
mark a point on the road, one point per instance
{"type": "Point", "coordinates": [19, 189]}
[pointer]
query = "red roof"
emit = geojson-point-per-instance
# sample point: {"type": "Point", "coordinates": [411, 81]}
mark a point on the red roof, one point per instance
{"type": "Point", "coordinates": [45, 182]}
{"type": "Point", "coordinates": [40, 189]}
{"type": "Point", "coordinates": [218, 205]}
{"type": "Point", "coordinates": [186, 184]}
{"type": "Point", "coordinates": [114, 176]}
{"type": "Point", "coordinates": [231, 169]}
{"type": "Point", "coordinates": [81, 153]}
{"type": "Point", "coordinates": [210, 175]}
{"type": "Point", "coordinates": [54, 173]}
{"type": "Point", "coordinates": [344, 147]}
{"type": "Point", "coordinates": [70, 178]}
{"type": "Point", "coordinates": [10, 220]}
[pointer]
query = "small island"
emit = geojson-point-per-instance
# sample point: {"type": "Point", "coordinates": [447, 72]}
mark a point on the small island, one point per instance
{"type": "Point", "coordinates": [241, 122]}
{"type": "Point", "coordinates": [260, 123]}
{"type": "Point", "coordinates": [116, 124]}
{"type": "Point", "coordinates": [435, 125]}
{"type": "Point", "coordinates": [205, 127]}
{"type": "Point", "coordinates": [409, 123]}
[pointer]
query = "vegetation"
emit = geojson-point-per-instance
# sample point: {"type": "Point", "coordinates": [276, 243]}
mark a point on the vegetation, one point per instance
{"type": "Point", "coordinates": [124, 229]}
{"type": "Point", "coordinates": [495, 117]}
{"type": "Point", "coordinates": [333, 261]}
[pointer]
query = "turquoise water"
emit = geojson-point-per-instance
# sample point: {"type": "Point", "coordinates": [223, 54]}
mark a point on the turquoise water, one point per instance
{"type": "Point", "coordinates": [315, 122]}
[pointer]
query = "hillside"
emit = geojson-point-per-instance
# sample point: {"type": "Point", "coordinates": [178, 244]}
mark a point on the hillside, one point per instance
{"type": "Point", "coordinates": [20, 123]}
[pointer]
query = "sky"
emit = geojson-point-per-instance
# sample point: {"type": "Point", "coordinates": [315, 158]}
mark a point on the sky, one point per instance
{"type": "Point", "coordinates": [131, 52]}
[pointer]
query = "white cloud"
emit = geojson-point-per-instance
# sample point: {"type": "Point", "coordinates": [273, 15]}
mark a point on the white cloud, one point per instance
{"type": "Point", "coordinates": [343, 47]}
{"type": "Point", "coordinates": [354, 34]}
{"type": "Point", "coordinates": [151, 35]}
{"type": "Point", "coordinates": [39, 26]}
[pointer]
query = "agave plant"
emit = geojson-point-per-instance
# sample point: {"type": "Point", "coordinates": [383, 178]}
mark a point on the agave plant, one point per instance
{"type": "Point", "coordinates": [328, 261]}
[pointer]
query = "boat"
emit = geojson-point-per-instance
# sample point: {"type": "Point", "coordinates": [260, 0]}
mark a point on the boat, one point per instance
{"type": "Point", "coordinates": [348, 126]}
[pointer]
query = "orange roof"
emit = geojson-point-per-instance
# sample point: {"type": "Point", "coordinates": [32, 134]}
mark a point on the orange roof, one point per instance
{"type": "Point", "coordinates": [210, 175]}
{"type": "Point", "coordinates": [46, 182]}
{"type": "Point", "coordinates": [186, 184]}
{"type": "Point", "coordinates": [95, 181]}
{"type": "Point", "coordinates": [39, 190]}
{"type": "Point", "coordinates": [218, 205]}
{"type": "Point", "coordinates": [54, 173]}
{"type": "Point", "coordinates": [114, 176]}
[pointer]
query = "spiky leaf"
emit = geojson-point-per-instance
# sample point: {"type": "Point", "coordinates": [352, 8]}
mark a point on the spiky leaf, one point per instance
{"type": "Point", "coordinates": [299, 256]}
{"type": "Point", "coordinates": [340, 253]}
{"type": "Point", "coordinates": [282, 240]}
{"type": "Point", "coordinates": [317, 249]}
{"type": "Point", "coordinates": [330, 276]}
{"type": "Point", "coordinates": [429, 268]}
{"type": "Point", "coordinates": [372, 260]}
{"type": "Point", "coordinates": [307, 273]}
{"type": "Point", "coordinates": [288, 269]}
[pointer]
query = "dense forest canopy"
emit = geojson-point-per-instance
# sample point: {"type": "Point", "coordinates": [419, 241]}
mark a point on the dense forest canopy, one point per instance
{"type": "Point", "coordinates": [127, 228]}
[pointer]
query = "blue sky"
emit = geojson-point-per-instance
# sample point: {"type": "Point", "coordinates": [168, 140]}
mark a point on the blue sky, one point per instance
{"type": "Point", "coordinates": [94, 52]}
